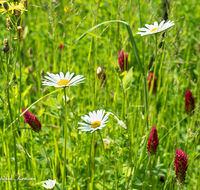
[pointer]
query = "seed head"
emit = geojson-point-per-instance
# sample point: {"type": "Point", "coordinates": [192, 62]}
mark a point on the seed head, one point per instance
{"type": "Point", "coordinates": [189, 102]}
{"type": "Point", "coordinates": [181, 165]}
{"type": "Point", "coordinates": [150, 79]}
{"type": "Point", "coordinates": [153, 141]}
{"type": "Point", "coordinates": [123, 61]}
{"type": "Point", "coordinates": [32, 120]}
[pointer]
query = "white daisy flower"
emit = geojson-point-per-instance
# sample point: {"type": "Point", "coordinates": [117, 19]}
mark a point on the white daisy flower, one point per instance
{"type": "Point", "coordinates": [61, 80]}
{"type": "Point", "coordinates": [95, 120]}
{"type": "Point", "coordinates": [152, 29]}
{"type": "Point", "coordinates": [50, 184]}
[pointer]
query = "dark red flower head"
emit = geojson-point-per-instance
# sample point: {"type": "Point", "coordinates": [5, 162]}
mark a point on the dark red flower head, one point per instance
{"type": "Point", "coordinates": [101, 74]}
{"type": "Point", "coordinates": [32, 120]}
{"type": "Point", "coordinates": [150, 79]}
{"type": "Point", "coordinates": [189, 102]}
{"type": "Point", "coordinates": [181, 165]}
{"type": "Point", "coordinates": [123, 61]}
{"type": "Point", "coordinates": [153, 141]}
{"type": "Point", "coordinates": [61, 47]}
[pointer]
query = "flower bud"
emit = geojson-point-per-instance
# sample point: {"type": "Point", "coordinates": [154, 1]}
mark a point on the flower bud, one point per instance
{"type": "Point", "coordinates": [122, 124]}
{"type": "Point", "coordinates": [123, 61]}
{"type": "Point", "coordinates": [6, 46]}
{"type": "Point", "coordinates": [61, 47]}
{"type": "Point", "coordinates": [101, 75]}
{"type": "Point", "coordinates": [9, 24]}
{"type": "Point", "coordinates": [19, 29]}
{"type": "Point", "coordinates": [150, 79]}
{"type": "Point", "coordinates": [189, 102]}
{"type": "Point", "coordinates": [153, 141]}
{"type": "Point", "coordinates": [5, 5]}
{"type": "Point", "coordinates": [32, 120]}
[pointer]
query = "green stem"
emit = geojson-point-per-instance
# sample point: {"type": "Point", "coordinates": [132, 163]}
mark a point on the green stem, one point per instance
{"type": "Point", "coordinates": [65, 140]}
{"type": "Point", "coordinates": [104, 160]}
{"type": "Point", "coordinates": [155, 67]}
{"type": "Point", "coordinates": [20, 76]}
{"type": "Point", "coordinates": [144, 73]}
{"type": "Point", "coordinates": [148, 168]}
{"type": "Point", "coordinates": [92, 154]}
{"type": "Point", "coordinates": [11, 117]}
{"type": "Point", "coordinates": [48, 162]}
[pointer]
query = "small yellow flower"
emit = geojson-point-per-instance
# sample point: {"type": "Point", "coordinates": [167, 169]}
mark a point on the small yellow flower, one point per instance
{"type": "Point", "coordinates": [66, 9]}
{"type": "Point", "coordinates": [11, 7]}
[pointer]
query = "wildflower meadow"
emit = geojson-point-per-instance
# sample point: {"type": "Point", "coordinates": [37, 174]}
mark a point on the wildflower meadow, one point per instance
{"type": "Point", "coordinates": [99, 94]}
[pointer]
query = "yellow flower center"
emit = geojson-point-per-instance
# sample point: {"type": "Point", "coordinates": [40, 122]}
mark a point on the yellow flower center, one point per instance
{"type": "Point", "coordinates": [154, 29]}
{"type": "Point", "coordinates": [63, 82]}
{"type": "Point", "coordinates": [95, 124]}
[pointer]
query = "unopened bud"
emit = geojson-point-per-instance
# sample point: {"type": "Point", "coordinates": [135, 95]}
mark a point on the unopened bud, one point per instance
{"type": "Point", "coordinates": [5, 41]}
{"type": "Point", "coordinates": [42, 72]}
{"type": "Point", "coordinates": [122, 124]}
{"type": "Point", "coordinates": [5, 5]}
{"type": "Point", "coordinates": [9, 24]}
{"type": "Point", "coordinates": [99, 70]}
{"type": "Point", "coordinates": [6, 46]}
{"type": "Point", "coordinates": [19, 29]}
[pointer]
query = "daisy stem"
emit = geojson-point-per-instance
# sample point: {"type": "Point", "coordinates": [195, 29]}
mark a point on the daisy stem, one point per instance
{"type": "Point", "coordinates": [11, 117]}
{"type": "Point", "coordinates": [154, 72]}
{"type": "Point", "coordinates": [48, 162]}
{"type": "Point", "coordinates": [104, 160]}
{"type": "Point", "coordinates": [65, 139]}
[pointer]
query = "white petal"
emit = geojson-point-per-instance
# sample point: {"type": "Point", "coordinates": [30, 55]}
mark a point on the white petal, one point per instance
{"type": "Point", "coordinates": [161, 24]}
{"type": "Point", "coordinates": [62, 75]}
{"type": "Point", "coordinates": [143, 29]}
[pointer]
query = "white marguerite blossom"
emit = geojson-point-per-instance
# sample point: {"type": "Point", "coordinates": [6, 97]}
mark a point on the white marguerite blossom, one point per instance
{"type": "Point", "coordinates": [155, 28]}
{"type": "Point", "coordinates": [94, 121]}
{"type": "Point", "coordinates": [61, 80]}
{"type": "Point", "coordinates": [50, 184]}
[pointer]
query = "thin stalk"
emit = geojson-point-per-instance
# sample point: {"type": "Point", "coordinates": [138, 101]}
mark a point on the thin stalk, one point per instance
{"type": "Point", "coordinates": [144, 71]}
{"type": "Point", "coordinates": [148, 168]}
{"type": "Point", "coordinates": [92, 153]}
{"type": "Point", "coordinates": [154, 72]}
{"type": "Point", "coordinates": [104, 160]}
{"type": "Point", "coordinates": [116, 178]}
{"type": "Point", "coordinates": [11, 117]}
{"type": "Point", "coordinates": [48, 162]}
{"type": "Point", "coordinates": [20, 76]}
{"type": "Point", "coordinates": [65, 139]}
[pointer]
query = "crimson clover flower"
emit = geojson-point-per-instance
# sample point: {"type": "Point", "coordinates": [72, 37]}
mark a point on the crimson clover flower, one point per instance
{"type": "Point", "coordinates": [61, 47]}
{"type": "Point", "coordinates": [150, 79]}
{"type": "Point", "coordinates": [32, 120]}
{"type": "Point", "coordinates": [181, 165]}
{"type": "Point", "coordinates": [123, 64]}
{"type": "Point", "coordinates": [153, 141]}
{"type": "Point", "coordinates": [189, 102]}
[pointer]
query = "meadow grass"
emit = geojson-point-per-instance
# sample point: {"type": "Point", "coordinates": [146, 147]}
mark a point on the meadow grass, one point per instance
{"type": "Point", "coordinates": [40, 156]}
